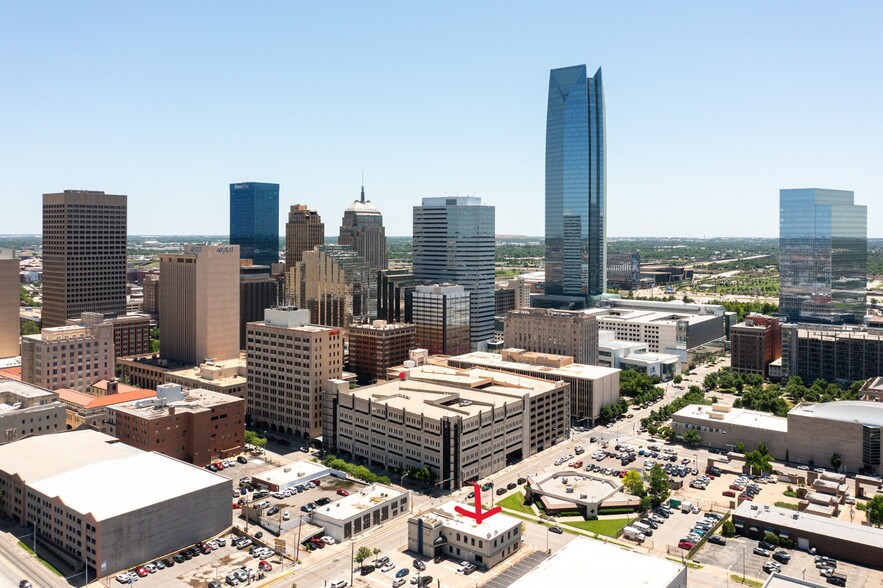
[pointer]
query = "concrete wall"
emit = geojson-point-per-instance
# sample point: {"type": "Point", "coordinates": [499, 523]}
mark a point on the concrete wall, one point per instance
{"type": "Point", "coordinates": [811, 438]}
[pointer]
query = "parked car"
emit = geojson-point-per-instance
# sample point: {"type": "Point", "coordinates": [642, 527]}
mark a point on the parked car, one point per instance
{"type": "Point", "coordinates": [556, 529]}
{"type": "Point", "coordinates": [343, 493]}
{"type": "Point", "coordinates": [501, 491]}
{"type": "Point", "coordinates": [761, 551]}
{"type": "Point", "coordinates": [403, 572]}
{"type": "Point", "coordinates": [419, 565]}
{"type": "Point", "coordinates": [685, 544]}
{"type": "Point", "coordinates": [718, 539]}
{"type": "Point", "coordinates": [387, 567]}
{"type": "Point", "coordinates": [782, 556]}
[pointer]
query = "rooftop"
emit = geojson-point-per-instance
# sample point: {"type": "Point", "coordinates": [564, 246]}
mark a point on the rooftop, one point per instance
{"type": "Point", "coordinates": [848, 411]}
{"type": "Point", "coordinates": [23, 390]}
{"type": "Point", "coordinates": [777, 580]}
{"type": "Point", "coordinates": [820, 525]}
{"type": "Point", "coordinates": [736, 416]}
{"type": "Point", "coordinates": [450, 518]}
{"type": "Point", "coordinates": [572, 370]}
{"type": "Point", "coordinates": [643, 570]}
{"type": "Point", "coordinates": [357, 502]}
{"type": "Point", "coordinates": [292, 472]}
{"type": "Point", "coordinates": [84, 489]}
{"type": "Point", "coordinates": [88, 401]}
{"type": "Point", "coordinates": [195, 400]}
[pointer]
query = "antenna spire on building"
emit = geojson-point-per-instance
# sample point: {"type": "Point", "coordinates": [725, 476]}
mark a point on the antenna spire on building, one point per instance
{"type": "Point", "coordinates": [363, 186]}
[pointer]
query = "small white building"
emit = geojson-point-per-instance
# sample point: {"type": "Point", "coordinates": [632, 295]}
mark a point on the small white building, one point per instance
{"type": "Point", "coordinates": [298, 472]}
{"type": "Point", "coordinates": [442, 531]}
{"type": "Point", "coordinates": [361, 510]}
{"type": "Point", "coordinates": [620, 354]}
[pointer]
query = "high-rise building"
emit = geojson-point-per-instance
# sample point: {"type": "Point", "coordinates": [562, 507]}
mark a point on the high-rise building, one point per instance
{"type": "Point", "coordinates": [84, 255]}
{"type": "Point", "coordinates": [72, 356]}
{"type": "Point", "coordinates": [289, 364]}
{"type": "Point", "coordinates": [823, 256]}
{"type": "Point", "coordinates": [9, 303]}
{"type": "Point", "coordinates": [755, 344]}
{"type": "Point", "coordinates": [258, 290]}
{"type": "Point", "coordinates": [254, 221]}
{"type": "Point", "coordinates": [375, 348]}
{"type": "Point", "coordinates": [395, 289]}
{"type": "Point", "coordinates": [151, 294]}
{"type": "Point", "coordinates": [336, 285]}
{"type": "Point", "coordinates": [441, 315]}
{"type": "Point", "coordinates": [576, 188]}
{"type": "Point", "coordinates": [303, 231]}
{"type": "Point", "coordinates": [362, 229]}
{"type": "Point", "coordinates": [454, 243]}
{"type": "Point", "coordinates": [199, 303]}
{"type": "Point", "coordinates": [562, 332]}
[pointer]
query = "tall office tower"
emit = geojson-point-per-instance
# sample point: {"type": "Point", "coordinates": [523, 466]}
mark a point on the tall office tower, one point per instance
{"type": "Point", "coordinates": [336, 285]}
{"type": "Point", "coordinates": [199, 303]}
{"type": "Point", "coordinates": [151, 294]}
{"type": "Point", "coordinates": [9, 303]}
{"type": "Point", "coordinates": [254, 221]}
{"type": "Point", "coordinates": [375, 348]}
{"type": "Point", "coordinates": [442, 314]}
{"type": "Point", "coordinates": [289, 364]}
{"type": "Point", "coordinates": [72, 356]}
{"type": "Point", "coordinates": [258, 291]}
{"type": "Point", "coordinates": [362, 229]}
{"type": "Point", "coordinates": [576, 189]}
{"type": "Point", "coordinates": [823, 256]}
{"type": "Point", "coordinates": [303, 231]}
{"type": "Point", "coordinates": [454, 243]}
{"type": "Point", "coordinates": [84, 255]}
{"type": "Point", "coordinates": [395, 288]}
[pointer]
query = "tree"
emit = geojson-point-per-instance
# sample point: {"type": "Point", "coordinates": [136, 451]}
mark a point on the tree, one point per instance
{"type": "Point", "coordinates": [728, 529]}
{"type": "Point", "coordinates": [658, 488]}
{"type": "Point", "coordinates": [691, 437]}
{"type": "Point", "coordinates": [835, 461]}
{"type": "Point", "coordinates": [375, 552]}
{"type": "Point", "coordinates": [763, 449]}
{"type": "Point", "coordinates": [739, 447]}
{"type": "Point", "coordinates": [255, 439]}
{"type": "Point", "coordinates": [759, 461]}
{"type": "Point", "coordinates": [771, 538]}
{"type": "Point", "coordinates": [874, 510]}
{"type": "Point", "coordinates": [678, 379]}
{"type": "Point", "coordinates": [29, 328]}
{"type": "Point", "coordinates": [633, 483]}
{"type": "Point", "coordinates": [362, 554]}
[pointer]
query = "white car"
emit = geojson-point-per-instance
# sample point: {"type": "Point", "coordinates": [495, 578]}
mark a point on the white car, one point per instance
{"type": "Point", "coordinates": [398, 582]}
{"type": "Point", "coordinates": [388, 567]}
{"type": "Point", "coordinates": [123, 578]}
{"type": "Point", "coordinates": [464, 565]}
{"type": "Point", "coordinates": [151, 569]}
{"type": "Point", "coordinates": [327, 540]}
{"type": "Point", "coordinates": [285, 515]}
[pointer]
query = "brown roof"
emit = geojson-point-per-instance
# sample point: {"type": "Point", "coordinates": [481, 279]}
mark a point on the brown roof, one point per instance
{"type": "Point", "coordinates": [88, 401]}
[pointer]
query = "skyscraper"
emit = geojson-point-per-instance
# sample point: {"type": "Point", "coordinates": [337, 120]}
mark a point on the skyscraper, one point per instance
{"type": "Point", "coordinates": [454, 244]}
{"type": "Point", "coordinates": [84, 255]}
{"type": "Point", "coordinates": [441, 315]}
{"type": "Point", "coordinates": [303, 231]}
{"type": "Point", "coordinates": [254, 221]}
{"type": "Point", "coordinates": [9, 303]}
{"type": "Point", "coordinates": [362, 229]}
{"type": "Point", "coordinates": [576, 188]}
{"type": "Point", "coordinates": [823, 256]}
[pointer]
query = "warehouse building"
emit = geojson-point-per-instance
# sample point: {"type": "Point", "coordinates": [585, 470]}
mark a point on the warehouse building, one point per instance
{"type": "Point", "coordinates": [64, 486]}
{"type": "Point", "coordinates": [360, 511]}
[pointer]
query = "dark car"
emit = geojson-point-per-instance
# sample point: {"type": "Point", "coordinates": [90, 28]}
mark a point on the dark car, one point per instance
{"type": "Point", "coordinates": [169, 561]}
{"type": "Point", "coordinates": [419, 565]}
{"type": "Point", "coordinates": [556, 529]}
{"type": "Point", "coordinates": [273, 510]}
{"type": "Point", "coordinates": [403, 572]}
{"type": "Point", "coordinates": [487, 486]}
{"type": "Point", "coordinates": [521, 481]}
{"type": "Point", "coordinates": [438, 559]}
{"type": "Point", "coordinates": [501, 491]}
{"type": "Point", "coordinates": [717, 539]}
{"type": "Point", "coordinates": [214, 584]}
{"type": "Point", "coordinates": [323, 501]}
{"type": "Point", "coordinates": [178, 558]}
{"type": "Point", "coordinates": [259, 534]}
{"type": "Point", "coordinates": [366, 569]}
{"type": "Point", "coordinates": [782, 556]}
{"type": "Point", "coordinates": [425, 581]}
{"type": "Point", "coordinates": [765, 545]}
{"type": "Point", "coordinates": [242, 459]}
{"type": "Point", "coordinates": [511, 486]}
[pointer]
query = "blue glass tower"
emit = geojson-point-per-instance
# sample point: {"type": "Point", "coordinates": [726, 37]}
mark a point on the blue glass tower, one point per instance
{"type": "Point", "coordinates": [576, 189]}
{"type": "Point", "coordinates": [823, 256]}
{"type": "Point", "coordinates": [254, 221]}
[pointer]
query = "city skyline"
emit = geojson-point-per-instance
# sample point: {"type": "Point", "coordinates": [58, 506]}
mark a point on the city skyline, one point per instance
{"type": "Point", "coordinates": [713, 106]}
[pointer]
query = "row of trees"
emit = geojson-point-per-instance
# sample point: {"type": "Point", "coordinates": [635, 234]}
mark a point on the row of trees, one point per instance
{"type": "Point", "coordinates": [363, 554]}
{"type": "Point", "coordinates": [254, 439]}
{"type": "Point", "coordinates": [610, 412]}
{"type": "Point", "coordinates": [694, 395]}
{"type": "Point", "coordinates": [638, 386]}
{"type": "Point", "coordinates": [357, 471]}
{"type": "Point", "coordinates": [654, 492]}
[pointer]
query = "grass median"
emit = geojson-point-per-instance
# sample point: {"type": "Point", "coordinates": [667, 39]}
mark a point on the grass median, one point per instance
{"type": "Point", "coordinates": [607, 527]}
{"type": "Point", "coordinates": [27, 548]}
{"type": "Point", "coordinates": [516, 502]}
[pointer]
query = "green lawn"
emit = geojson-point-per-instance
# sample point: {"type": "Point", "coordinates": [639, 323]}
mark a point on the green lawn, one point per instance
{"type": "Point", "coordinates": [741, 580]}
{"type": "Point", "coordinates": [27, 548]}
{"type": "Point", "coordinates": [689, 564]}
{"type": "Point", "coordinates": [516, 502]}
{"type": "Point", "coordinates": [608, 527]}
{"type": "Point", "coordinates": [788, 505]}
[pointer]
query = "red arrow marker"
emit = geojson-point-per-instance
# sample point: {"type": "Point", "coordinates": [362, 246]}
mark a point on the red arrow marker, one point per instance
{"type": "Point", "coordinates": [479, 515]}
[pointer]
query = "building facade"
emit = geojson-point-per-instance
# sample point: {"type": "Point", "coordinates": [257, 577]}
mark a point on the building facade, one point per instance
{"type": "Point", "coordinates": [831, 353]}
{"type": "Point", "coordinates": [755, 344]}
{"type": "Point", "coordinates": [84, 255]}
{"type": "Point", "coordinates": [148, 371]}
{"type": "Point", "coordinates": [562, 332]}
{"type": "Point", "coordinates": [27, 410]}
{"type": "Point", "coordinates": [199, 313]}
{"type": "Point", "coordinates": [88, 410]}
{"type": "Point", "coordinates": [131, 333]}
{"type": "Point", "coordinates": [504, 301]}
{"type": "Point", "coordinates": [290, 362]}
{"type": "Point", "coordinates": [9, 303]}
{"type": "Point", "coordinates": [73, 356]}
{"type": "Point", "coordinates": [150, 286]}
{"type": "Point", "coordinates": [258, 290]}
{"type": "Point", "coordinates": [454, 243]}
{"type": "Point", "coordinates": [196, 426]}
{"type": "Point", "coordinates": [624, 270]}
{"type": "Point", "coordinates": [362, 229]}
{"type": "Point", "coordinates": [303, 231]}
{"type": "Point", "coordinates": [254, 221]}
{"type": "Point", "coordinates": [441, 315]}
{"type": "Point", "coordinates": [395, 291]}
{"type": "Point", "coordinates": [823, 256]}
{"type": "Point", "coordinates": [360, 511]}
{"type": "Point", "coordinates": [375, 348]}
{"type": "Point", "coordinates": [576, 185]}
{"type": "Point", "coordinates": [461, 424]}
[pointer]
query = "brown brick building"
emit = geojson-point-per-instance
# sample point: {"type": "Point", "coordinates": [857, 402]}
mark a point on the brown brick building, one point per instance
{"type": "Point", "coordinates": [377, 347]}
{"type": "Point", "coordinates": [303, 231]}
{"type": "Point", "coordinates": [150, 287]}
{"type": "Point", "coordinates": [131, 334]}
{"type": "Point", "coordinates": [755, 343]}
{"type": "Point", "coordinates": [196, 426]}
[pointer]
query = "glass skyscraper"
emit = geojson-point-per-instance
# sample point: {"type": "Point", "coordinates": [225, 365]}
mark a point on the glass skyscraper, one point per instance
{"type": "Point", "coordinates": [454, 243]}
{"type": "Point", "coordinates": [254, 221]}
{"type": "Point", "coordinates": [823, 256]}
{"type": "Point", "coordinates": [576, 189]}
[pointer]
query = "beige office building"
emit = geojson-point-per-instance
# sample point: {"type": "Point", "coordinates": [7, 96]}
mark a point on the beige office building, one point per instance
{"type": "Point", "coordinates": [73, 356]}
{"type": "Point", "coordinates": [131, 333]}
{"type": "Point", "coordinates": [562, 332]}
{"type": "Point", "coordinates": [224, 376]}
{"type": "Point", "coordinates": [150, 285]}
{"type": "Point", "coordinates": [9, 303]}
{"type": "Point", "coordinates": [84, 255]}
{"type": "Point", "coordinates": [462, 424]}
{"type": "Point", "coordinates": [199, 303]}
{"type": "Point", "coordinates": [303, 231]}
{"type": "Point", "coordinates": [27, 410]}
{"type": "Point", "coordinates": [591, 387]}
{"type": "Point", "coordinates": [289, 365]}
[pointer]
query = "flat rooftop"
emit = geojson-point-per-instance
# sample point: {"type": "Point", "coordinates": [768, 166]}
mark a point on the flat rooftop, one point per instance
{"type": "Point", "coordinates": [847, 411]}
{"type": "Point", "coordinates": [493, 525]}
{"type": "Point", "coordinates": [781, 517]}
{"type": "Point", "coordinates": [736, 416]}
{"type": "Point", "coordinates": [195, 400]}
{"type": "Point", "coordinates": [573, 370]}
{"type": "Point", "coordinates": [357, 502]}
{"type": "Point", "coordinates": [23, 390]}
{"type": "Point", "coordinates": [292, 472]}
{"type": "Point", "coordinates": [777, 580]}
{"type": "Point", "coordinates": [84, 489]}
{"type": "Point", "coordinates": [620, 567]}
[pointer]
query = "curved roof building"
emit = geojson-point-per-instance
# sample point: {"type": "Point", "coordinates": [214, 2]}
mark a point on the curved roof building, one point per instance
{"type": "Point", "coordinates": [362, 229]}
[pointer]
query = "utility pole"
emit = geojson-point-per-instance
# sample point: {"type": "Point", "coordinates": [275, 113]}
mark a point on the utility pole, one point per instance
{"type": "Point", "coordinates": [352, 559]}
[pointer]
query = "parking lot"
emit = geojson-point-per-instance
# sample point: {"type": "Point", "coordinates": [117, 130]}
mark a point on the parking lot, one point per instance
{"type": "Point", "coordinates": [443, 573]}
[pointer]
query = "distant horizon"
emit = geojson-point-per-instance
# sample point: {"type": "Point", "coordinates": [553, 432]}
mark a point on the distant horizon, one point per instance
{"type": "Point", "coordinates": [497, 236]}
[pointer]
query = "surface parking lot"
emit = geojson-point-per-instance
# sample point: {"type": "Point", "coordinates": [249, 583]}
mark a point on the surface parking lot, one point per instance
{"type": "Point", "coordinates": [328, 488]}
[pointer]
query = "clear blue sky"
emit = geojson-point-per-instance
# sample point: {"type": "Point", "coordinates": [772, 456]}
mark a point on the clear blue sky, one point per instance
{"type": "Point", "coordinates": [711, 107]}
